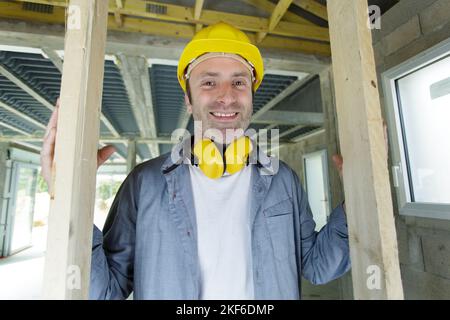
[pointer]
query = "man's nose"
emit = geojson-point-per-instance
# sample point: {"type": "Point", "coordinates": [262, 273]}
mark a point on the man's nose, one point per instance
{"type": "Point", "coordinates": [226, 95]}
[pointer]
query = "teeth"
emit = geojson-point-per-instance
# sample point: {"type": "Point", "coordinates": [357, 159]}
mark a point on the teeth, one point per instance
{"type": "Point", "coordinates": [220, 114]}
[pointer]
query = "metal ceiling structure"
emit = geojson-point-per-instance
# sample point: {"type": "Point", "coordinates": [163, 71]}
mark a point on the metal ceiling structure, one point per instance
{"type": "Point", "coordinates": [142, 100]}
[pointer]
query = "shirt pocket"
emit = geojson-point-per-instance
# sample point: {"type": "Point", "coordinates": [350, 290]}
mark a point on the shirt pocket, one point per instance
{"type": "Point", "coordinates": [280, 222]}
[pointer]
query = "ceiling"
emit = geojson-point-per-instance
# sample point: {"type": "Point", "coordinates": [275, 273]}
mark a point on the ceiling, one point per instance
{"type": "Point", "coordinates": [30, 77]}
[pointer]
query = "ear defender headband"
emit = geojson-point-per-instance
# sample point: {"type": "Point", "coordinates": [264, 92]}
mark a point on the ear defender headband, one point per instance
{"type": "Point", "coordinates": [211, 162]}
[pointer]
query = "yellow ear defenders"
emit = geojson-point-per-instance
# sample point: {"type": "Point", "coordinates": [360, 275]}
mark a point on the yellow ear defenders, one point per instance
{"type": "Point", "coordinates": [213, 164]}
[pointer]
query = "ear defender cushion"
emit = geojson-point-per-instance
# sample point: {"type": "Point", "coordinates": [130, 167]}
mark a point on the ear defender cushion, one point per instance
{"type": "Point", "coordinates": [210, 159]}
{"type": "Point", "coordinates": [237, 153]}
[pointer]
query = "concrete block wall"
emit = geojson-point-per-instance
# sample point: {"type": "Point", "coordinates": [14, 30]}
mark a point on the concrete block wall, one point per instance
{"type": "Point", "coordinates": [407, 29]}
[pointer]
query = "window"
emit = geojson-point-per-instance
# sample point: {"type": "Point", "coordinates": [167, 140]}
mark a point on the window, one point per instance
{"type": "Point", "coordinates": [417, 93]}
{"type": "Point", "coordinates": [316, 183]}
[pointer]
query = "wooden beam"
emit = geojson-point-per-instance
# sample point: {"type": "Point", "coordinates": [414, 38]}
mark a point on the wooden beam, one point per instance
{"type": "Point", "coordinates": [68, 256]}
{"type": "Point", "coordinates": [291, 118]}
{"type": "Point", "coordinates": [277, 13]}
{"type": "Point", "coordinates": [117, 15]}
{"type": "Point", "coordinates": [38, 35]}
{"type": "Point", "coordinates": [185, 15]}
{"type": "Point", "coordinates": [197, 13]}
{"type": "Point", "coordinates": [313, 7]}
{"type": "Point", "coordinates": [268, 6]}
{"type": "Point", "coordinates": [372, 235]}
{"type": "Point", "coordinates": [135, 74]}
{"type": "Point", "coordinates": [12, 10]}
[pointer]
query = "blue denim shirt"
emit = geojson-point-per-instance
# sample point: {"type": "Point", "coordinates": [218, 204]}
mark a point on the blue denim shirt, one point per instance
{"type": "Point", "coordinates": [149, 242]}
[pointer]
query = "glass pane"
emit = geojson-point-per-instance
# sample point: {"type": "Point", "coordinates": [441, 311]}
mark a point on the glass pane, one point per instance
{"type": "Point", "coordinates": [24, 205]}
{"type": "Point", "coordinates": [316, 188]}
{"type": "Point", "coordinates": [107, 187]}
{"type": "Point", "coordinates": [424, 99]}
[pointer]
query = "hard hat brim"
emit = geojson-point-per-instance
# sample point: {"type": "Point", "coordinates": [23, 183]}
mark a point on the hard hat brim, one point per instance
{"type": "Point", "coordinates": [197, 48]}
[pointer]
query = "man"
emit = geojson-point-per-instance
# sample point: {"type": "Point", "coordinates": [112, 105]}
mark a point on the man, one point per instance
{"type": "Point", "coordinates": [177, 230]}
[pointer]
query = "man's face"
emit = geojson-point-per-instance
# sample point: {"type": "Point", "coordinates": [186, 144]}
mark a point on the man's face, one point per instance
{"type": "Point", "coordinates": [221, 95]}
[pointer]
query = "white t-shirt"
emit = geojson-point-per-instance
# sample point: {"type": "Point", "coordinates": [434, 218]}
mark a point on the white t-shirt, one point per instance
{"type": "Point", "coordinates": [222, 209]}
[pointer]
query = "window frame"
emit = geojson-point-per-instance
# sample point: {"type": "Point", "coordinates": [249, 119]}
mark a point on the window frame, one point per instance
{"type": "Point", "coordinates": [399, 169]}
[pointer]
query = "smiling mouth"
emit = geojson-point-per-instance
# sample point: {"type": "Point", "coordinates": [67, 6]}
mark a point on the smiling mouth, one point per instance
{"type": "Point", "coordinates": [224, 115]}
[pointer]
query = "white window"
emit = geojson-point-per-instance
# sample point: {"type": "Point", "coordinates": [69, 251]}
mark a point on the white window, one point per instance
{"type": "Point", "coordinates": [417, 93]}
{"type": "Point", "coordinates": [316, 183]}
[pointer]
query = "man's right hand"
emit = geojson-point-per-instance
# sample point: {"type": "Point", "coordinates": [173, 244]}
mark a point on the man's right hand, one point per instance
{"type": "Point", "coordinates": [48, 148]}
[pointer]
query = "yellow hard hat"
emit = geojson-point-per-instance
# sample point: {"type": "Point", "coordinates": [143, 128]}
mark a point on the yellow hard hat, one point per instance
{"type": "Point", "coordinates": [221, 37]}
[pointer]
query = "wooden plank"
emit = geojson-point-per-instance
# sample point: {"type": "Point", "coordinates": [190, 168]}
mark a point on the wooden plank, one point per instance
{"type": "Point", "coordinates": [184, 31]}
{"type": "Point", "coordinates": [185, 15]}
{"type": "Point", "coordinates": [117, 15]}
{"type": "Point", "coordinates": [313, 7]}
{"type": "Point", "coordinates": [278, 13]}
{"type": "Point", "coordinates": [197, 13]}
{"type": "Point", "coordinates": [372, 235]}
{"type": "Point", "coordinates": [268, 6]}
{"type": "Point", "coordinates": [68, 256]}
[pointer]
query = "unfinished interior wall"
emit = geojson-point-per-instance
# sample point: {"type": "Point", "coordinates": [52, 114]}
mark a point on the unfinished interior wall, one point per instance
{"type": "Point", "coordinates": [407, 29]}
{"type": "Point", "coordinates": [293, 156]}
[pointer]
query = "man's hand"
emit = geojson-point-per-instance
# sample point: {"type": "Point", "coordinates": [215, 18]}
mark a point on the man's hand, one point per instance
{"type": "Point", "coordinates": [48, 148]}
{"type": "Point", "coordinates": [339, 161]}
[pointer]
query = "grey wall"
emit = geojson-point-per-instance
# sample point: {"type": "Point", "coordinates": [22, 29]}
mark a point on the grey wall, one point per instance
{"type": "Point", "coordinates": [407, 29]}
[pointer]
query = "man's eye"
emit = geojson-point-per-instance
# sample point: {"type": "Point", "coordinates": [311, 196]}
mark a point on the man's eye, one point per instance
{"type": "Point", "coordinates": [239, 83]}
{"type": "Point", "coordinates": [208, 83]}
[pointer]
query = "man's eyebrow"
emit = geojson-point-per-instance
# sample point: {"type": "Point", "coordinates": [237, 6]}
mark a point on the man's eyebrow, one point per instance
{"type": "Point", "coordinates": [209, 74]}
{"type": "Point", "coordinates": [241, 74]}
{"type": "Point", "coordinates": [215, 74]}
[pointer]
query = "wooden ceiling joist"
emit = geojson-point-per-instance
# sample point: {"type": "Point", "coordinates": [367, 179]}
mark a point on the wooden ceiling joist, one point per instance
{"type": "Point", "coordinates": [268, 6]}
{"type": "Point", "coordinates": [180, 22]}
{"type": "Point", "coordinates": [277, 13]}
{"type": "Point", "coordinates": [313, 7]}
{"type": "Point", "coordinates": [197, 13]}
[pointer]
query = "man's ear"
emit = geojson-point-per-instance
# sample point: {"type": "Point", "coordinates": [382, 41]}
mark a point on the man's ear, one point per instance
{"type": "Point", "coordinates": [188, 103]}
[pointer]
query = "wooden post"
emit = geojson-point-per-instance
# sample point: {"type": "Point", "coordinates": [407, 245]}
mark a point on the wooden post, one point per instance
{"type": "Point", "coordinates": [373, 242]}
{"type": "Point", "coordinates": [68, 257]}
